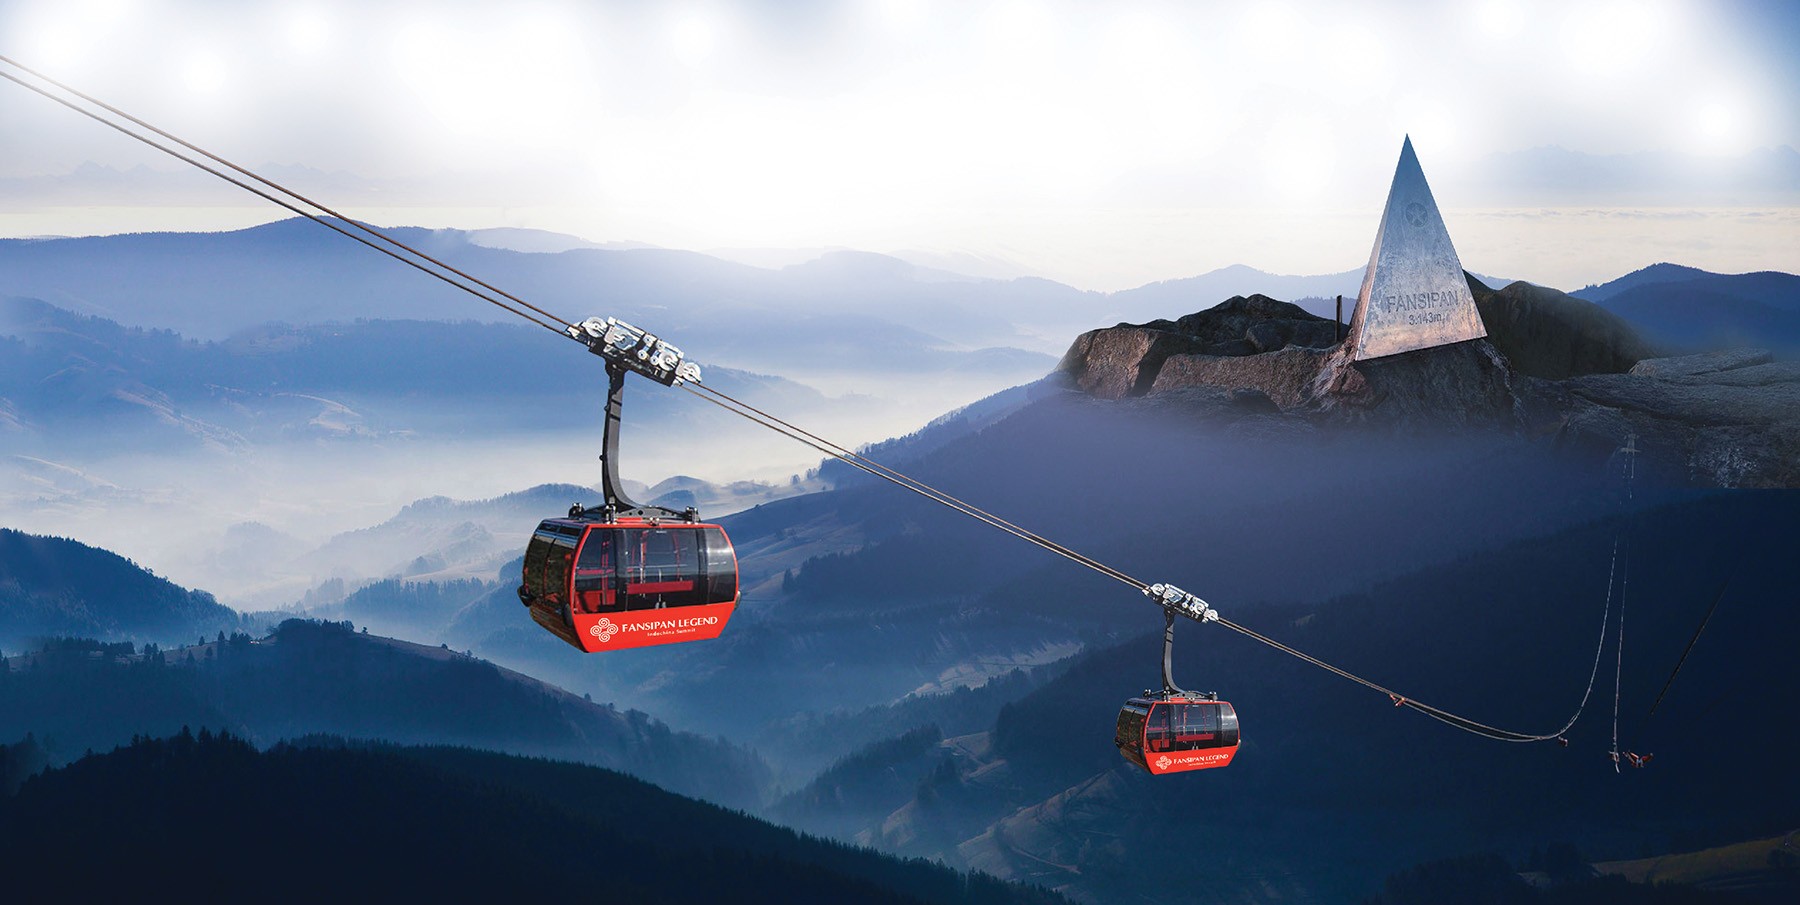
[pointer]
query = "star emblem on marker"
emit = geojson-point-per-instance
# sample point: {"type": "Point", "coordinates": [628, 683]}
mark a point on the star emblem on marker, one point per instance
{"type": "Point", "coordinates": [604, 630]}
{"type": "Point", "coordinates": [1415, 215]}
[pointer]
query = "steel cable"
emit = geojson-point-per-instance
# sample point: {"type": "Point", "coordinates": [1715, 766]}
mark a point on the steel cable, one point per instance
{"type": "Point", "coordinates": [872, 467]}
{"type": "Point", "coordinates": [878, 470]}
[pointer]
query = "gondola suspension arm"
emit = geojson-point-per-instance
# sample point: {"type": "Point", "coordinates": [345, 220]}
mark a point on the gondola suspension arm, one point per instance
{"type": "Point", "coordinates": [627, 349]}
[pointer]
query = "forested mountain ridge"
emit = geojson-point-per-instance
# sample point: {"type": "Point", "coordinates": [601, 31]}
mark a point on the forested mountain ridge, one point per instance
{"type": "Point", "coordinates": [1689, 309]}
{"type": "Point", "coordinates": [310, 677]}
{"type": "Point", "coordinates": [52, 586]}
{"type": "Point", "coordinates": [1507, 636]}
{"type": "Point", "coordinates": [426, 822]}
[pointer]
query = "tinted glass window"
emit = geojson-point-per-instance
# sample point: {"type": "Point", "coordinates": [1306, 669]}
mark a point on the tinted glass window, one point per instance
{"type": "Point", "coordinates": [660, 567]}
{"type": "Point", "coordinates": [721, 567]}
{"type": "Point", "coordinates": [536, 554]}
{"type": "Point", "coordinates": [1156, 728]}
{"type": "Point", "coordinates": [558, 557]}
{"type": "Point", "coordinates": [1130, 731]}
{"type": "Point", "coordinates": [1194, 725]}
{"type": "Point", "coordinates": [596, 568]}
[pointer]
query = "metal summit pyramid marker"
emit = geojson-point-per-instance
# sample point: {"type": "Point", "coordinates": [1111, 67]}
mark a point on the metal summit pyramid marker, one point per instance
{"type": "Point", "coordinates": [1414, 295]}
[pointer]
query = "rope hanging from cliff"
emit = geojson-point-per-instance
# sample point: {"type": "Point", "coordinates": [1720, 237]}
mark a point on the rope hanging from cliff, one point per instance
{"type": "Point", "coordinates": [1630, 470]}
{"type": "Point", "coordinates": [386, 244]}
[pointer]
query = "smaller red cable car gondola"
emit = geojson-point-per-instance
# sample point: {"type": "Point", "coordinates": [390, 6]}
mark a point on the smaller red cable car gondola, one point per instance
{"type": "Point", "coordinates": [1174, 731]}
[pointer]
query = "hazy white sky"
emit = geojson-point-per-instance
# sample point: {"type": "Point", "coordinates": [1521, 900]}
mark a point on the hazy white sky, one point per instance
{"type": "Point", "coordinates": [1101, 144]}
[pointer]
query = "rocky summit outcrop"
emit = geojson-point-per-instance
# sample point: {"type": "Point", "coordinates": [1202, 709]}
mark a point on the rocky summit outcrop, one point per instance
{"type": "Point", "coordinates": [1265, 348]}
{"type": "Point", "coordinates": [1552, 366]}
{"type": "Point", "coordinates": [1546, 333]}
{"type": "Point", "coordinates": [1720, 419]}
{"type": "Point", "coordinates": [1228, 344]}
{"type": "Point", "coordinates": [1461, 384]}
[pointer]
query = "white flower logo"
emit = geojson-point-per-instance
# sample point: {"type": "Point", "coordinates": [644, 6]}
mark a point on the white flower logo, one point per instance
{"type": "Point", "coordinates": [604, 630]}
{"type": "Point", "coordinates": [1162, 763]}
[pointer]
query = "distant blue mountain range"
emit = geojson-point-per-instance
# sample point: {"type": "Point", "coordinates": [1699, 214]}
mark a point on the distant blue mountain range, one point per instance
{"type": "Point", "coordinates": [1687, 308]}
{"type": "Point", "coordinates": [214, 285]}
{"type": "Point", "coordinates": [843, 307]}
{"type": "Point", "coordinates": [154, 388]}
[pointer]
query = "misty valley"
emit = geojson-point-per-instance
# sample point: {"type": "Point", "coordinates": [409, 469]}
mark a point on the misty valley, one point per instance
{"type": "Point", "coordinates": [266, 508]}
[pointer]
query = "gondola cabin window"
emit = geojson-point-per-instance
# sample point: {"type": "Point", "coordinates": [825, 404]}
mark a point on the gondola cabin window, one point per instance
{"type": "Point", "coordinates": [660, 567]}
{"type": "Point", "coordinates": [631, 568]}
{"type": "Point", "coordinates": [596, 590]}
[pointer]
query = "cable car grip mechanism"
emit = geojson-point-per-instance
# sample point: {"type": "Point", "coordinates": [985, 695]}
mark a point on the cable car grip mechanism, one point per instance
{"type": "Point", "coordinates": [628, 347]}
{"type": "Point", "coordinates": [1181, 603]}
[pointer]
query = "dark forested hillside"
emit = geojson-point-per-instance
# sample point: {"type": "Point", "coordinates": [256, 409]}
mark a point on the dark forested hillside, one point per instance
{"type": "Point", "coordinates": [52, 586]}
{"type": "Point", "coordinates": [1490, 880]}
{"type": "Point", "coordinates": [311, 677]}
{"type": "Point", "coordinates": [1506, 636]}
{"type": "Point", "coordinates": [858, 597]}
{"type": "Point", "coordinates": [417, 609]}
{"type": "Point", "coordinates": [877, 777]}
{"type": "Point", "coordinates": [212, 815]}
{"type": "Point", "coordinates": [806, 742]}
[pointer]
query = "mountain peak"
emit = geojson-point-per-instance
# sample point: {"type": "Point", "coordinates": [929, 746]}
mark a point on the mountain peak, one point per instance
{"type": "Point", "coordinates": [1660, 272]}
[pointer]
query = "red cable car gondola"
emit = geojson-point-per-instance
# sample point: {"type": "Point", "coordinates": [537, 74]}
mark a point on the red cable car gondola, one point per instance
{"type": "Point", "coordinates": [624, 575]}
{"type": "Point", "coordinates": [605, 582]}
{"type": "Point", "coordinates": [1174, 731]}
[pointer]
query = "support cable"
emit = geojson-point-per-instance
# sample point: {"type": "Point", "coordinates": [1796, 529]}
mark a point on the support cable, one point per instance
{"type": "Point", "coordinates": [1690, 645]}
{"type": "Point", "coordinates": [864, 464]}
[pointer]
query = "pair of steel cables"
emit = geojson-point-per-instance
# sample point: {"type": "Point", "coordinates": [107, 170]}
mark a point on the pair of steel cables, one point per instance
{"type": "Point", "coordinates": [1171, 599]}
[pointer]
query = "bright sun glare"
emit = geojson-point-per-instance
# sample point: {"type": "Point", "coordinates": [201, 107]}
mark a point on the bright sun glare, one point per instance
{"type": "Point", "coordinates": [694, 34]}
{"type": "Point", "coordinates": [913, 124]}
{"type": "Point", "coordinates": [308, 29]}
